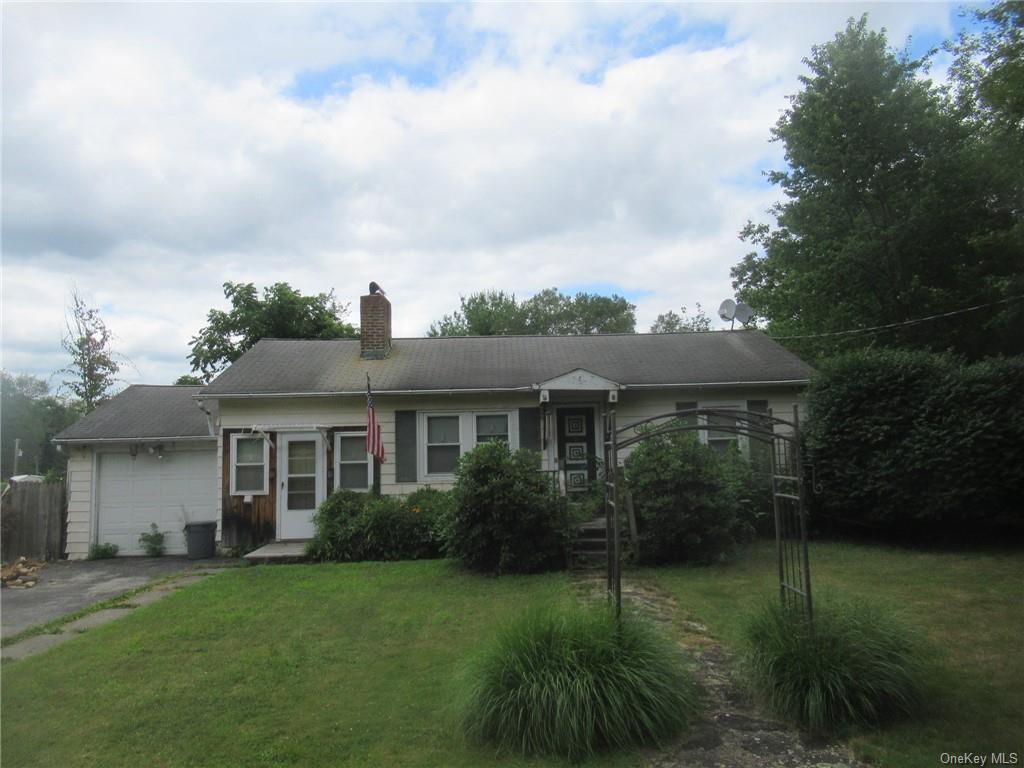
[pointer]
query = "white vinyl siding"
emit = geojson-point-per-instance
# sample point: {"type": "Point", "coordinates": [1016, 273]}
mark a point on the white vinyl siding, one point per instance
{"type": "Point", "coordinates": [80, 487]}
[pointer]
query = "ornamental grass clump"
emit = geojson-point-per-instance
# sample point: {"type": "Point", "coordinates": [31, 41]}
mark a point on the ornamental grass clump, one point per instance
{"type": "Point", "coordinates": [573, 681]}
{"type": "Point", "coordinates": [855, 665]}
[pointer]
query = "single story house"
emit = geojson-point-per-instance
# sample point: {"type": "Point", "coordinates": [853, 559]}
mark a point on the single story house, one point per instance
{"type": "Point", "coordinates": [265, 442]}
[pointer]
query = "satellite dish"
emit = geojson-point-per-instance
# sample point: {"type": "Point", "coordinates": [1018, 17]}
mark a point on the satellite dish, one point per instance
{"type": "Point", "coordinates": [744, 313]}
{"type": "Point", "coordinates": [727, 311]}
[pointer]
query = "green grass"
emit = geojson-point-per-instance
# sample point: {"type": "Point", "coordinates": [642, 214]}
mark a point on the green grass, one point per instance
{"type": "Point", "coordinates": [968, 606]}
{"type": "Point", "coordinates": [573, 680]}
{"type": "Point", "coordinates": [341, 665]}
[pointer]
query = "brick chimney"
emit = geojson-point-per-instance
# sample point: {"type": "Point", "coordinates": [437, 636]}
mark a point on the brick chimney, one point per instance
{"type": "Point", "coordinates": [374, 326]}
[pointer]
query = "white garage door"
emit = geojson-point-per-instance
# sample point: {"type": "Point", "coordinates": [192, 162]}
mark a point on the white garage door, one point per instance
{"type": "Point", "coordinates": [179, 488]}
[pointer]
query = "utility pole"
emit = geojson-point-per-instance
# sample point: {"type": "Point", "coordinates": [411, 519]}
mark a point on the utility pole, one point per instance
{"type": "Point", "coordinates": [17, 453]}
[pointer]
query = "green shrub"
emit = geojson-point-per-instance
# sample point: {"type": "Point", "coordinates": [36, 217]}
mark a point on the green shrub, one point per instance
{"type": "Point", "coordinates": [751, 486]}
{"type": "Point", "coordinates": [353, 526]}
{"type": "Point", "coordinates": [854, 665]}
{"type": "Point", "coordinates": [153, 542]}
{"type": "Point", "coordinates": [572, 682]}
{"type": "Point", "coordinates": [102, 551]}
{"type": "Point", "coordinates": [506, 517]}
{"type": "Point", "coordinates": [437, 507]}
{"type": "Point", "coordinates": [916, 441]}
{"type": "Point", "coordinates": [332, 524]}
{"type": "Point", "coordinates": [687, 499]}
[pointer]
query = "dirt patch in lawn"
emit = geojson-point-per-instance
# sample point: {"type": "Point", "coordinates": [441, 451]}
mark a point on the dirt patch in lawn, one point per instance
{"type": "Point", "coordinates": [732, 730]}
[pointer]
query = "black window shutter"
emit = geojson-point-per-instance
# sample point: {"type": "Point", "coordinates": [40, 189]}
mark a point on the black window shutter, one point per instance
{"type": "Point", "coordinates": [529, 428]}
{"type": "Point", "coordinates": [405, 446]}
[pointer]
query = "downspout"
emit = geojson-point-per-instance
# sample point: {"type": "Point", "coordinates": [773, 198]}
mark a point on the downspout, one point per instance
{"type": "Point", "coordinates": [209, 418]}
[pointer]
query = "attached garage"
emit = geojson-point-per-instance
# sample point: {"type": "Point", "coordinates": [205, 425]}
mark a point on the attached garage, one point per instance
{"type": "Point", "coordinates": [169, 488]}
{"type": "Point", "coordinates": [146, 456]}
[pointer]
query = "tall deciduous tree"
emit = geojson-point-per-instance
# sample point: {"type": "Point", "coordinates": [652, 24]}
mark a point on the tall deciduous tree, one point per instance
{"type": "Point", "coordinates": [30, 414]}
{"type": "Point", "coordinates": [989, 66]}
{"type": "Point", "coordinates": [547, 313]}
{"type": "Point", "coordinates": [892, 210]}
{"type": "Point", "coordinates": [281, 313]}
{"type": "Point", "coordinates": [670, 322]}
{"type": "Point", "coordinates": [94, 367]}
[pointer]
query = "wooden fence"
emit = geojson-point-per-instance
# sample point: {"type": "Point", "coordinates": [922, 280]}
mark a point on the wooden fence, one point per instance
{"type": "Point", "coordinates": [32, 521]}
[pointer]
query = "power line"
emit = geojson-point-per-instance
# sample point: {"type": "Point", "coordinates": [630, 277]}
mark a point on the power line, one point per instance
{"type": "Point", "coordinates": [888, 326]}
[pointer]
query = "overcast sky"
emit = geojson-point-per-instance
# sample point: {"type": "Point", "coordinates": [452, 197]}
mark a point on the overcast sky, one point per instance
{"type": "Point", "coordinates": [152, 152]}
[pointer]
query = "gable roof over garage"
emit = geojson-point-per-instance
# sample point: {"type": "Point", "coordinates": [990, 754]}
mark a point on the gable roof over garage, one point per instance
{"type": "Point", "coordinates": [144, 412]}
{"type": "Point", "coordinates": [494, 363]}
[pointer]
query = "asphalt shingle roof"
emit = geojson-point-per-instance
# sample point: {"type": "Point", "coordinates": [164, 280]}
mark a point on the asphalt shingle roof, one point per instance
{"type": "Point", "coordinates": [144, 411]}
{"type": "Point", "coordinates": [291, 366]}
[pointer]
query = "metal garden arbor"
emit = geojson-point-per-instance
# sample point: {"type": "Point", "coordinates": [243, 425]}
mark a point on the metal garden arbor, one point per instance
{"type": "Point", "coordinates": [786, 469]}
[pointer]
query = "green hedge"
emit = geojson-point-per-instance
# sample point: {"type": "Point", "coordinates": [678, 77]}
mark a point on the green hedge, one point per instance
{"type": "Point", "coordinates": [913, 440]}
{"type": "Point", "coordinates": [692, 504]}
{"type": "Point", "coordinates": [358, 526]}
{"type": "Point", "coordinates": [506, 517]}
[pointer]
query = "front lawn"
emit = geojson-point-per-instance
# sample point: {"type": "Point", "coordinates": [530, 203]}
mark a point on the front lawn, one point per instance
{"type": "Point", "coordinates": [968, 605]}
{"type": "Point", "coordinates": [358, 664]}
{"type": "Point", "coordinates": [305, 665]}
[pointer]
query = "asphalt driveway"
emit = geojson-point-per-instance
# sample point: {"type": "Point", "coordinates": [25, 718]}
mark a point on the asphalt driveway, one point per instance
{"type": "Point", "coordinates": [68, 586]}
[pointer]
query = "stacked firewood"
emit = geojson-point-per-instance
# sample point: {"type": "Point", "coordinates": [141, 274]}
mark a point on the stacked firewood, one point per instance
{"type": "Point", "coordinates": [22, 573]}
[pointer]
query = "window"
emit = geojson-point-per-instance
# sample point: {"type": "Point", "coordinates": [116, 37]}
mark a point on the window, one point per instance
{"type": "Point", "coordinates": [691, 419]}
{"type": "Point", "coordinates": [249, 455]}
{"type": "Point", "coordinates": [444, 437]}
{"type": "Point", "coordinates": [491, 426]}
{"type": "Point", "coordinates": [443, 444]}
{"type": "Point", "coordinates": [353, 466]}
{"type": "Point", "coordinates": [720, 440]}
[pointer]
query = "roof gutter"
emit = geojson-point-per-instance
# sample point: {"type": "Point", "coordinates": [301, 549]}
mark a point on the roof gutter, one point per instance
{"type": "Point", "coordinates": [777, 382]}
{"type": "Point", "coordinates": [359, 392]}
{"type": "Point", "coordinates": [135, 439]}
{"type": "Point", "coordinates": [483, 390]}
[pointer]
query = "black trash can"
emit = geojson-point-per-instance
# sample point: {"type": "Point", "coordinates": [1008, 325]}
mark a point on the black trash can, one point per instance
{"type": "Point", "coordinates": [201, 540]}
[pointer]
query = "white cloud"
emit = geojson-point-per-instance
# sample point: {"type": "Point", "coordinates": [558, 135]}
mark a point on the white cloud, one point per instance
{"type": "Point", "coordinates": [152, 152]}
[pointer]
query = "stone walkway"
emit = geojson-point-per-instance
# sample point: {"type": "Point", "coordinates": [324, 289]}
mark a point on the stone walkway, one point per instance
{"type": "Point", "coordinates": [733, 731]}
{"type": "Point", "coordinates": [39, 643]}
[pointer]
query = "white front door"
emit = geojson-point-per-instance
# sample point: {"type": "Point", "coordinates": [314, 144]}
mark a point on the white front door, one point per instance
{"type": "Point", "coordinates": [301, 481]}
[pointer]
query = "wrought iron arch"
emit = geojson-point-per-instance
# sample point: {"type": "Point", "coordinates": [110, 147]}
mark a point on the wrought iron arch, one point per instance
{"type": "Point", "coordinates": [786, 469]}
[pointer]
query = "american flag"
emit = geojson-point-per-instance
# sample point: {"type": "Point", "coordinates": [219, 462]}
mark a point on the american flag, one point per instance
{"type": "Point", "coordinates": [374, 441]}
